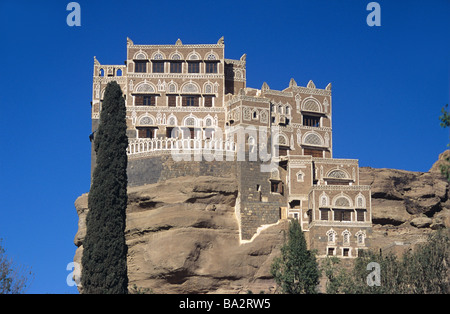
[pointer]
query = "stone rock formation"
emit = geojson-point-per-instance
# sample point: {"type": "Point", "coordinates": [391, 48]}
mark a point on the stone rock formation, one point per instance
{"type": "Point", "coordinates": [183, 235]}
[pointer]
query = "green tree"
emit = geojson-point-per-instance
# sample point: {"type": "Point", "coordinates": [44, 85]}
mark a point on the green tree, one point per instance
{"type": "Point", "coordinates": [337, 277]}
{"type": "Point", "coordinates": [426, 269]}
{"type": "Point", "coordinates": [104, 261]}
{"type": "Point", "coordinates": [445, 122]}
{"type": "Point", "coordinates": [296, 270]}
{"type": "Point", "coordinates": [13, 278]}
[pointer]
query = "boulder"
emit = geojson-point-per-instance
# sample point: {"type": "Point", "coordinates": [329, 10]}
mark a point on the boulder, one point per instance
{"type": "Point", "coordinates": [421, 222]}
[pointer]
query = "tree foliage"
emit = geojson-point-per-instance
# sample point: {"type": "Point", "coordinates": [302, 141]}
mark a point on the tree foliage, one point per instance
{"type": "Point", "coordinates": [13, 278]}
{"type": "Point", "coordinates": [296, 270]}
{"type": "Point", "coordinates": [104, 268]}
{"type": "Point", "coordinates": [424, 270]}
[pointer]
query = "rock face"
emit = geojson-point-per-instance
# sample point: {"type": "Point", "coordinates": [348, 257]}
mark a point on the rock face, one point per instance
{"type": "Point", "coordinates": [399, 196]}
{"type": "Point", "coordinates": [183, 235]}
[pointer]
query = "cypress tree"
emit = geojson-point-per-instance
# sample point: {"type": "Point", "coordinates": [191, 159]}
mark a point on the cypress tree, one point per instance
{"type": "Point", "coordinates": [104, 261]}
{"type": "Point", "coordinates": [296, 271]}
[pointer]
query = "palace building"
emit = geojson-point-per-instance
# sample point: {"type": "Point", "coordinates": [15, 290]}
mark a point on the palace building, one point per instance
{"type": "Point", "coordinates": [189, 112]}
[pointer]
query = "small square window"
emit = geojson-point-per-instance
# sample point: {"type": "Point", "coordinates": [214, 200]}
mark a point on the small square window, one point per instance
{"type": "Point", "coordinates": [190, 101]}
{"type": "Point", "coordinates": [172, 101]}
{"type": "Point", "coordinates": [208, 101]}
{"type": "Point", "coordinates": [158, 67]}
{"type": "Point", "coordinates": [211, 67]}
{"type": "Point", "coordinates": [140, 66]}
{"type": "Point", "coordinates": [175, 67]}
{"type": "Point", "coordinates": [193, 67]}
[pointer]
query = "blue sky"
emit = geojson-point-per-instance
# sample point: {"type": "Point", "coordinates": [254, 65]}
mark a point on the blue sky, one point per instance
{"type": "Point", "coordinates": [389, 84]}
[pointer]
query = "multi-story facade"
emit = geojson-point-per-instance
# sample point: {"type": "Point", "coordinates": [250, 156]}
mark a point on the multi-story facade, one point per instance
{"type": "Point", "coordinates": [189, 104]}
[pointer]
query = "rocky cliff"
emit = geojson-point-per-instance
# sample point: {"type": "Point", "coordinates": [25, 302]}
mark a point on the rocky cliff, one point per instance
{"type": "Point", "coordinates": [183, 236]}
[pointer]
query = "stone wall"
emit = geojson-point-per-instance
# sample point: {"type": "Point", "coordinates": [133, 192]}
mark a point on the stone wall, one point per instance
{"type": "Point", "coordinates": [257, 205]}
{"type": "Point", "coordinates": [163, 167]}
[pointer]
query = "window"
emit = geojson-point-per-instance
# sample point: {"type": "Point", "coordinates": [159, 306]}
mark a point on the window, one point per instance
{"type": "Point", "coordinates": [172, 101]}
{"type": "Point", "coordinates": [282, 151]}
{"type": "Point", "coordinates": [175, 67]}
{"type": "Point", "coordinates": [360, 215]}
{"type": "Point", "coordinates": [313, 152]}
{"type": "Point", "coordinates": [190, 101]}
{"type": "Point", "coordinates": [276, 187]}
{"type": "Point", "coordinates": [158, 67]}
{"type": "Point", "coordinates": [193, 67]}
{"type": "Point", "coordinates": [146, 132]}
{"type": "Point", "coordinates": [172, 132]}
{"type": "Point", "coordinates": [342, 215]}
{"type": "Point", "coordinates": [311, 121]}
{"type": "Point", "coordinates": [145, 100]}
{"type": "Point", "coordinates": [345, 252]}
{"type": "Point", "coordinates": [346, 237]}
{"type": "Point", "coordinates": [360, 237]}
{"type": "Point", "coordinates": [209, 133]}
{"type": "Point", "coordinates": [324, 214]}
{"type": "Point", "coordinates": [331, 236]}
{"type": "Point", "coordinates": [189, 133]}
{"type": "Point", "coordinates": [295, 204]}
{"type": "Point", "coordinates": [211, 67]}
{"type": "Point", "coordinates": [330, 251]}
{"type": "Point", "coordinates": [208, 101]}
{"type": "Point", "coordinates": [140, 66]}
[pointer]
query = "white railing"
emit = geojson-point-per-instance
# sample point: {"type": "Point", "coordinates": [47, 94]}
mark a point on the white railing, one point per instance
{"type": "Point", "coordinates": [147, 145]}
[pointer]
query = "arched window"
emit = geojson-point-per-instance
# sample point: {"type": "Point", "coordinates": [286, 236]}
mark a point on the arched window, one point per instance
{"type": "Point", "coordinates": [158, 56]}
{"type": "Point", "coordinates": [211, 56]}
{"type": "Point", "coordinates": [251, 144]}
{"type": "Point", "coordinates": [300, 176]}
{"type": "Point", "coordinates": [342, 201]}
{"type": "Point", "coordinates": [145, 88]}
{"type": "Point", "coordinates": [331, 236]}
{"type": "Point", "coordinates": [324, 200]}
{"type": "Point", "coordinates": [255, 114]}
{"type": "Point", "coordinates": [312, 138]}
{"type": "Point", "coordinates": [190, 88]}
{"type": "Point", "coordinates": [346, 237]}
{"type": "Point", "coordinates": [338, 174]}
{"type": "Point", "coordinates": [360, 201]}
{"type": "Point", "coordinates": [189, 121]}
{"type": "Point", "coordinates": [146, 120]}
{"type": "Point", "coordinates": [311, 104]}
{"type": "Point", "coordinates": [360, 237]}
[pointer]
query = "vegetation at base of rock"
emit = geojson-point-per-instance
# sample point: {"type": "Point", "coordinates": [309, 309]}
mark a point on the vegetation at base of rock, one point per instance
{"type": "Point", "coordinates": [104, 261]}
{"type": "Point", "coordinates": [426, 270]}
{"type": "Point", "coordinates": [14, 279]}
{"type": "Point", "coordinates": [296, 270]}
